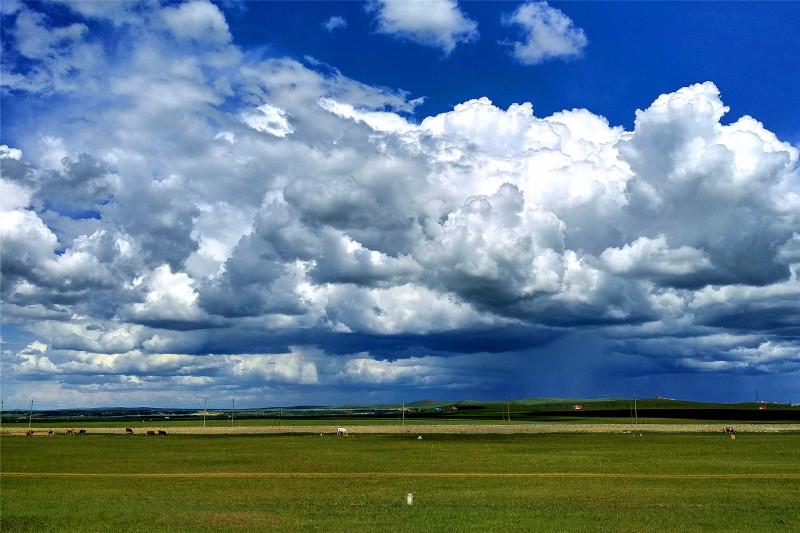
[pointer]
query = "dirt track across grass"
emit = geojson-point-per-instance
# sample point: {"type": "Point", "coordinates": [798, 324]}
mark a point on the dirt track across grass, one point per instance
{"type": "Point", "coordinates": [451, 429]}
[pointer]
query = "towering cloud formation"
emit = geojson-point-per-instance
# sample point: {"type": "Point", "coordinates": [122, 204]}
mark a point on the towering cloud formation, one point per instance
{"type": "Point", "coordinates": [215, 221]}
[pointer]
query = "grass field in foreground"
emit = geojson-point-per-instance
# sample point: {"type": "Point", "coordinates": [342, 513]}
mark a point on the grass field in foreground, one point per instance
{"type": "Point", "coordinates": [460, 483]}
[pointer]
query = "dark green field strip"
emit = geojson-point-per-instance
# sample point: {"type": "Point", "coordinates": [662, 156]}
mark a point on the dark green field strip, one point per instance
{"type": "Point", "coordinates": [626, 454]}
{"type": "Point", "coordinates": [620, 475]}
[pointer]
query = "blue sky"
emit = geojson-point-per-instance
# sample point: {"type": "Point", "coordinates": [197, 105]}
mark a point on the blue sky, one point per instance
{"type": "Point", "coordinates": [328, 202]}
{"type": "Point", "coordinates": [746, 48]}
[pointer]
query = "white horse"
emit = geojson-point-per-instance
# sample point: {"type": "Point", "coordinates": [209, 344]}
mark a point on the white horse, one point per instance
{"type": "Point", "coordinates": [341, 432]}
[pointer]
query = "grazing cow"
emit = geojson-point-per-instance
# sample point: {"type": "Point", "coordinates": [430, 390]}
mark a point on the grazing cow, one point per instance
{"type": "Point", "coordinates": [341, 432]}
{"type": "Point", "coordinates": [29, 433]}
{"type": "Point", "coordinates": [129, 431]}
{"type": "Point", "coordinates": [162, 432]}
{"type": "Point", "coordinates": [151, 432]}
{"type": "Point", "coordinates": [81, 432]}
{"type": "Point", "coordinates": [51, 433]}
{"type": "Point", "coordinates": [728, 430]}
{"type": "Point", "coordinates": [70, 431]}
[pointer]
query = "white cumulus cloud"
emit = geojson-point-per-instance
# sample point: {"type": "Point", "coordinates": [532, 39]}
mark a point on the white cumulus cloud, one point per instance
{"type": "Point", "coordinates": [436, 23]}
{"type": "Point", "coordinates": [199, 21]}
{"type": "Point", "coordinates": [547, 33]}
{"type": "Point", "coordinates": [223, 221]}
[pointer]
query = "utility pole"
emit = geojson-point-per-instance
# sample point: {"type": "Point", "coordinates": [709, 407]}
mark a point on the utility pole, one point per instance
{"type": "Point", "coordinates": [30, 415]}
{"type": "Point", "coordinates": [233, 409]}
{"type": "Point", "coordinates": [205, 410]}
{"type": "Point", "coordinates": [635, 410]}
{"type": "Point", "coordinates": [404, 413]}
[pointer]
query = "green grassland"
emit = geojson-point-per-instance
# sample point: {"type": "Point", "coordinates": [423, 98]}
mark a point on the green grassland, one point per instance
{"type": "Point", "coordinates": [560, 482]}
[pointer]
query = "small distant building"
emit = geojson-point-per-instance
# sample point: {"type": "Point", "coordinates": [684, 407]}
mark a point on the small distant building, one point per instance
{"type": "Point", "coordinates": [578, 406]}
{"type": "Point", "coordinates": [762, 407]}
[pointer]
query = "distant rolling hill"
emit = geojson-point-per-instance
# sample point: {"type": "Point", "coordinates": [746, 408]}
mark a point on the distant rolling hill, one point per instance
{"type": "Point", "coordinates": [519, 410]}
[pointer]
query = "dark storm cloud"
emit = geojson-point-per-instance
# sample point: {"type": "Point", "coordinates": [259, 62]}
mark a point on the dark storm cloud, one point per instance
{"type": "Point", "coordinates": [496, 340]}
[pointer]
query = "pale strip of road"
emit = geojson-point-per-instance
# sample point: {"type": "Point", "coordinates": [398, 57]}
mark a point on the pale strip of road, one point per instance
{"type": "Point", "coordinates": [444, 429]}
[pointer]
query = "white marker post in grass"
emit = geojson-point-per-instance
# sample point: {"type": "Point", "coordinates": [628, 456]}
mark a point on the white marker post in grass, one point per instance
{"type": "Point", "coordinates": [410, 498]}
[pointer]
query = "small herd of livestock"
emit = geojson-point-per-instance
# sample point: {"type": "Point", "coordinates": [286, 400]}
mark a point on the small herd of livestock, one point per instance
{"type": "Point", "coordinates": [340, 432]}
{"type": "Point", "coordinates": [73, 431]}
